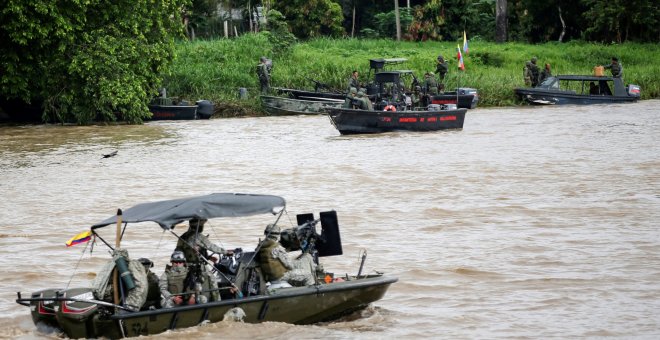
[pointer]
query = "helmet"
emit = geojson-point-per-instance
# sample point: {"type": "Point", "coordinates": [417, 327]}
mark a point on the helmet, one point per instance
{"type": "Point", "coordinates": [177, 256]}
{"type": "Point", "coordinates": [146, 262]}
{"type": "Point", "coordinates": [360, 93]}
{"type": "Point", "coordinates": [263, 59]}
{"type": "Point", "coordinates": [196, 223]}
{"type": "Point", "coordinates": [272, 229]}
{"type": "Point", "coordinates": [534, 60]}
{"type": "Point", "coordinates": [440, 57]}
{"type": "Point", "coordinates": [353, 90]}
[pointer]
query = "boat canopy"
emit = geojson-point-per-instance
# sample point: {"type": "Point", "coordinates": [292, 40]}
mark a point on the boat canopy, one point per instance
{"type": "Point", "coordinates": [171, 212]}
{"type": "Point", "coordinates": [582, 78]}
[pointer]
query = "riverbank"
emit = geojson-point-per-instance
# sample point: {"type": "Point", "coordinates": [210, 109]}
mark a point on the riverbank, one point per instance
{"type": "Point", "coordinates": [215, 70]}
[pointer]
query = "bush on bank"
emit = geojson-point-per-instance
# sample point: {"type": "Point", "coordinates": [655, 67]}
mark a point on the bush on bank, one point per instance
{"type": "Point", "coordinates": [215, 70]}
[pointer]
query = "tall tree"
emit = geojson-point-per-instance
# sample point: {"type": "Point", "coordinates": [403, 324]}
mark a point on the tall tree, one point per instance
{"type": "Point", "coordinates": [312, 18]}
{"type": "Point", "coordinates": [398, 20]}
{"type": "Point", "coordinates": [87, 60]}
{"type": "Point", "coordinates": [501, 21]}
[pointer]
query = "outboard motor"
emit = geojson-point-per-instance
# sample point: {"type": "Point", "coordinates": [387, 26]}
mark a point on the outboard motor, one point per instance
{"type": "Point", "coordinates": [205, 109]}
{"type": "Point", "coordinates": [633, 90]}
{"type": "Point", "coordinates": [43, 312]}
{"type": "Point", "coordinates": [468, 90]}
{"type": "Point", "coordinates": [76, 317]}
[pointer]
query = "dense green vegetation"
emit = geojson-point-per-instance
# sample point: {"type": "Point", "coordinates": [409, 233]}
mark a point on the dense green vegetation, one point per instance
{"type": "Point", "coordinates": [216, 69]}
{"type": "Point", "coordinates": [87, 60]}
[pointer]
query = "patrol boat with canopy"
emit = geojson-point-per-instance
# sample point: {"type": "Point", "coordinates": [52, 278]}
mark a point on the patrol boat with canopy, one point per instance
{"type": "Point", "coordinates": [579, 90]}
{"type": "Point", "coordinates": [80, 312]}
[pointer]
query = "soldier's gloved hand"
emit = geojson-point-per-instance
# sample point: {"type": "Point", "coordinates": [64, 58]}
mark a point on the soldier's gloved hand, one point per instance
{"type": "Point", "coordinates": [177, 299]}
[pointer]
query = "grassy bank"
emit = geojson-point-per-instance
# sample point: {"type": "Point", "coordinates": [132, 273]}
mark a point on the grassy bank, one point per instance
{"type": "Point", "coordinates": [216, 69]}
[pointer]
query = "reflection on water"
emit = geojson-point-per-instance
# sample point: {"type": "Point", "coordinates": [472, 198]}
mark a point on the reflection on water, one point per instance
{"type": "Point", "coordinates": [530, 222]}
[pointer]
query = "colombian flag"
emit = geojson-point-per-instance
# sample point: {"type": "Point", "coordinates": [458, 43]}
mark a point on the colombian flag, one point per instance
{"type": "Point", "coordinates": [80, 238]}
{"type": "Point", "coordinates": [465, 44]}
{"type": "Point", "coordinates": [461, 65]}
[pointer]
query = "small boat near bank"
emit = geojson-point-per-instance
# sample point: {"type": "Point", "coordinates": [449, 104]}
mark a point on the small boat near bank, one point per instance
{"type": "Point", "coordinates": [280, 106]}
{"type": "Point", "coordinates": [579, 90]}
{"type": "Point", "coordinates": [169, 109]}
{"type": "Point", "coordinates": [80, 312]}
{"type": "Point", "coordinates": [351, 121]}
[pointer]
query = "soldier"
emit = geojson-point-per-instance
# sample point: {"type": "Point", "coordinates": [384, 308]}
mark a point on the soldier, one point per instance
{"type": "Point", "coordinates": [366, 103]}
{"type": "Point", "coordinates": [276, 264]}
{"type": "Point", "coordinates": [545, 73]}
{"type": "Point", "coordinates": [441, 68]}
{"type": "Point", "coordinates": [531, 73]}
{"type": "Point", "coordinates": [350, 98]}
{"type": "Point", "coordinates": [615, 67]}
{"type": "Point", "coordinates": [416, 97]}
{"type": "Point", "coordinates": [195, 247]}
{"type": "Point", "coordinates": [264, 75]}
{"type": "Point", "coordinates": [153, 292]}
{"type": "Point", "coordinates": [353, 81]}
{"type": "Point", "coordinates": [134, 295]}
{"type": "Point", "coordinates": [430, 84]}
{"type": "Point", "coordinates": [174, 283]}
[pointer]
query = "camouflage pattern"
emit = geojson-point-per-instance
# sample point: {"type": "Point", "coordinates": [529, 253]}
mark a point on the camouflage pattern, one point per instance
{"type": "Point", "coordinates": [441, 69]}
{"type": "Point", "coordinates": [298, 272]}
{"type": "Point", "coordinates": [616, 68]}
{"type": "Point", "coordinates": [173, 281]}
{"type": "Point", "coordinates": [353, 82]}
{"type": "Point", "coordinates": [273, 263]}
{"type": "Point", "coordinates": [103, 283]}
{"type": "Point", "coordinates": [264, 76]}
{"type": "Point", "coordinates": [531, 73]}
{"type": "Point", "coordinates": [348, 102]}
{"type": "Point", "coordinates": [201, 244]}
{"type": "Point", "coordinates": [366, 103]}
{"type": "Point", "coordinates": [302, 272]}
{"type": "Point", "coordinates": [430, 84]}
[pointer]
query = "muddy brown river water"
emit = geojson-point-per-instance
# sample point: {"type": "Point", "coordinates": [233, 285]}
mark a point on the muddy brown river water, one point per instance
{"type": "Point", "coordinates": [533, 222]}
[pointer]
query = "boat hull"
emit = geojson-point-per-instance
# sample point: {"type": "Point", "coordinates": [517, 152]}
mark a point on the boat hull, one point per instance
{"type": "Point", "coordinates": [279, 106]}
{"type": "Point", "coordinates": [300, 305]}
{"type": "Point", "coordinates": [173, 112]}
{"type": "Point", "coordinates": [309, 95]}
{"type": "Point", "coordinates": [359, 121]}
{"type": "Point", "coordinates": [550, 97]}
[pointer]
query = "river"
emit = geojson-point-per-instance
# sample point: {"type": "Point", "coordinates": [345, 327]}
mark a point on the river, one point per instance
{"type": "Point", "coordinates": [531, 222]}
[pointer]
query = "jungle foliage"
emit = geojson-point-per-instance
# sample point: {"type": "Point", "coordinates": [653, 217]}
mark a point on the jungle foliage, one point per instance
{"type": "Point", "coordinates": [87, 60]}
{"type": "Point", "coordinates": [216, 69]}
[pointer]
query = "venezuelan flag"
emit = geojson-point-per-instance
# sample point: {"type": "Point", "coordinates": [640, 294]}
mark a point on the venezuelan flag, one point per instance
{"type": "Point", "coordinates": [80, 238]}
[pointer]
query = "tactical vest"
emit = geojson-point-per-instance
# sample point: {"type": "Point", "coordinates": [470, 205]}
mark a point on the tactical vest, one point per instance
{"type": "Point", "coordinates": [271, 267]}
{"type": "Point", "coordinates": [175, 279]}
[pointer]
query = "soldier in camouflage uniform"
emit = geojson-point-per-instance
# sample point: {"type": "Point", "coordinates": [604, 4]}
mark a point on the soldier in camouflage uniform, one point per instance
{"type": "Point", "coordinates": [365, 102]}
{"type": "Point", "coordinates": [615, 67]}
{"type": "Point", "coordinates": [441, 68]}
{"type": "Point", "coordinates": [153, 292]}
{"type": "Point", "coordinates": [531, 73]}
{"type": "Point", "coordinates": [264, 75]}
{"type": "Point", "coordinates": [174, 285]}
{"type": "Point", "coordinates": [430, 84]}
{"type": "Point", "coordinates": [194, 244]}
{"type": "Point", "coordinates": [103, 283]}
{"type": "Point", "coordinates": [353, 81]}
{"type": "Point", "coordinates": [276, 264]}
{"type": "Point", "coordinates": [350, 97]}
